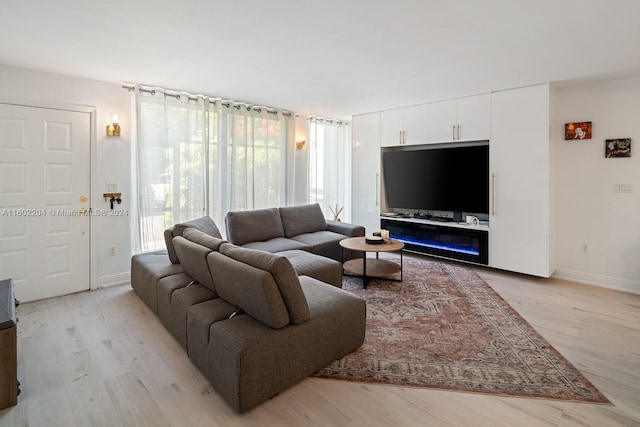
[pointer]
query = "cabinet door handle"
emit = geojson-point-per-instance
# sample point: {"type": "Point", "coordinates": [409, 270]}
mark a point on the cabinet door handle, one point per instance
{"type": "Point", "coordinates": [493, 194]}
{"type": "Point", "coordinates": [453, 132]}
{"type": "Point", "coordinates": [458, 133]}
{"type": "Point", "coordinates": [400, 139]}
{"type": "Point", "coordinates": [377, 187]}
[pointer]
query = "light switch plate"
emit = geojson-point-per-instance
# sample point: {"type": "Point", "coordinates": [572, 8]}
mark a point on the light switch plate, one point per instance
{"type": "Point", "coordinates": [112, 187]}
{"type": "Point", "coordinates": [623, 187]}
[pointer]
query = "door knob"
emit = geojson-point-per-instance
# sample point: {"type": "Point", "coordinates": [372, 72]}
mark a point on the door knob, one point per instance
{"type": "Point", "coordinates": [83, 198]}
{"type": "Point", "coordinates": [83, 211]}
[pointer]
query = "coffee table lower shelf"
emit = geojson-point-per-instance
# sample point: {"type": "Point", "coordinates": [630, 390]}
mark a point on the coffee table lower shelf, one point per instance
{"type": "Point", "coordinates": [375, 267]}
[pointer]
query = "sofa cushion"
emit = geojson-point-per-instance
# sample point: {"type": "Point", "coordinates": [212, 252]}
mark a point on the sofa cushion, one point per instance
{"type": "Point", "coordinates": [202, 238]}
{"type": "Point", "coordinates": [253, 226]}
{"type": "Point", "coordinates": [175, 295]}
{"type": "Point", "coordinates": [204, 224]}
{"type": "Point", "coordinates": [146, 270]}
{"type": "Point", "coordinates": [319, 267]}
{"type": "Point", "coordinates": [283, 273]}
{"type": "Point", "coordinates": [252, 289]}
{"type": "Point", "coordinates": [193, 258]}
{"type": "Point", "coordinates": [325, 243]}
{"type": "Point", "coordinates": [200, 317]}
{"type": "Point", "coordinates": [302, 219]}
{"type": "Point", "coordinates": [278, 244]}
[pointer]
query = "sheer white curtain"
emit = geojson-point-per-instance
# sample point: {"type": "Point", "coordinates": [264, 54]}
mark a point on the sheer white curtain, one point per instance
{"type": "Point", "coordinates": [329, 165]}
{"type": "Point", "coordinates": [253, 154]}
{"type": "Point", "coordinates": [170, 150]}
{"type": "Point", "coordinates": [197, 156]}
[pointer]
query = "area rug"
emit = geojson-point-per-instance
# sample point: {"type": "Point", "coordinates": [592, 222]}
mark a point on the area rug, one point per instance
{"type": "Point", "coordinates": [444, 327]}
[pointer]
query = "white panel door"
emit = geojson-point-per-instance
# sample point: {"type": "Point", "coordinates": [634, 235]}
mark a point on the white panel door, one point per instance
{"type": "Point", "coordinates": [44, 188]}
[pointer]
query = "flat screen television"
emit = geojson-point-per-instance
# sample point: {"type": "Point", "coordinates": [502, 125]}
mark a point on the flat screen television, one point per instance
{"type": "Point", "coordinates": [439, 178]}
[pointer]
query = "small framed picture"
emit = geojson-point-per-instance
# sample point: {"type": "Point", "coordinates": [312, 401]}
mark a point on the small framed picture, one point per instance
{"type": "Point", "coordinates": [620, 147]}
{"type": "Point", "coordinates": [578, 130]}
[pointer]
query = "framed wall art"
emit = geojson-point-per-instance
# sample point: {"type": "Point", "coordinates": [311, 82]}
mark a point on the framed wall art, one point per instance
{"type": "Point", "coordinates": [620, 147]}
{"type": "Point", "coordinates": [578, 130]}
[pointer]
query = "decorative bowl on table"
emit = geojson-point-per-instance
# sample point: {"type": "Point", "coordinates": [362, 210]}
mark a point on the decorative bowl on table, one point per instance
{"type": "Point", "coordinates": [374, 240]}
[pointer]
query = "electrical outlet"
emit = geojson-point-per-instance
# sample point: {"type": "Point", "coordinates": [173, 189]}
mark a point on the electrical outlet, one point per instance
{"type": "Point", "coordinates": [584, 248]}
{"type": "Point", "coordinates": [112, 250]}
{"type": "Point", "coordinates": [112, 187]}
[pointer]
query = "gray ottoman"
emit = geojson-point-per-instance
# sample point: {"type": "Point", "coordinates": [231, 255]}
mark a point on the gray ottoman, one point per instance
{"type": "Point", "coordinates": [321, 268]}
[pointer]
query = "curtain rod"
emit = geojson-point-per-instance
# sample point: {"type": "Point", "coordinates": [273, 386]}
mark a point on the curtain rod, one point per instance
{"type": "Point", "coordinates": [327, 120]}
{"type": "Point", "coordinates": [225, 103]}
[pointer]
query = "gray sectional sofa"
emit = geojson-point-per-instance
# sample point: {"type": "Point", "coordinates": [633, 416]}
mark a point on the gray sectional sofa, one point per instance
{"type": "Point", "coordinates": [253, 321]}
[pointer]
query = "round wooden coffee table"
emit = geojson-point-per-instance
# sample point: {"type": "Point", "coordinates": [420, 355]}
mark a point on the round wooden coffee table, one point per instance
{"type": "Point", "coordinates": [373, 267]}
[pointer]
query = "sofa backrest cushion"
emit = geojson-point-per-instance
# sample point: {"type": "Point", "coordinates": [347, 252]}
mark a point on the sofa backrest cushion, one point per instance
{"type": "Point", "coordinates": [201, 238]}
{"type": "Point", "coordinates": [253, 226]}
{"type": "Point", "coordinates": [193, 258]}
{"type": "Point", "coordinates": [298, 220]}
{"type": "Point", "coordinates": [283, 273]}
{"type": "Point", "coordinates": [252, 289]}
{"type": "Point", "coordinates": [204, 224]}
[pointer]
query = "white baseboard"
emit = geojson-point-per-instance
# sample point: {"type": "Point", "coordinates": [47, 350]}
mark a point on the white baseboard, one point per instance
{"type": "Point", "coordinates": [614, 283]}
{"type": "Point", "coordinates": [114, 279]}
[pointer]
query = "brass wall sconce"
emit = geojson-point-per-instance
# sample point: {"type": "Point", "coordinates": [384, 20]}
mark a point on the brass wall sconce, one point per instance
{"type": "Point", "coordinates": [300, 144]}
{"type": "Point", "coordinates": [113, 129]}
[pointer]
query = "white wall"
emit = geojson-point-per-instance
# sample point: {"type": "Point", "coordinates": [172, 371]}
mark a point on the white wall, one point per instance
{"type": "Point", "coordinates": [588, 211]}
{"type": "Point", "coordinates": [113, 154]}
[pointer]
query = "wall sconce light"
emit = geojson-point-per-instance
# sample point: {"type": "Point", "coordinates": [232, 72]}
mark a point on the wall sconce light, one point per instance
{"type": "Point", "coordinates": [300, 144]}
{"type": "Point", "coordinates": [113, 129]}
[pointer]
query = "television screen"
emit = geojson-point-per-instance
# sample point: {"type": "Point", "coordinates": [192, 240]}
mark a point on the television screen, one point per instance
{"type": "Point", "coordinates": [443, 179]}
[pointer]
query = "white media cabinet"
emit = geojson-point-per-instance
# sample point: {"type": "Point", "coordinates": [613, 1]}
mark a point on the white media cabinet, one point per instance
{"type": "Point", "coordinates": [522, 233]}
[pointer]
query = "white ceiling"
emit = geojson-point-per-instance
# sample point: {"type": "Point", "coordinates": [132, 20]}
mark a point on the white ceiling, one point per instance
{"type": "Point", "coordinates": [332, 57]}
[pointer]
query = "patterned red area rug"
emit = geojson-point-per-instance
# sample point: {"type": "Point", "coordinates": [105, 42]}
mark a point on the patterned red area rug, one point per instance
{"type": "Point", "coordinates": [444, 327]}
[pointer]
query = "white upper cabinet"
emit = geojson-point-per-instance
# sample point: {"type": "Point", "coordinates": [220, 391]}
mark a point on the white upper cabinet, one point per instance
{"type": "Point", "coordinates": [474, 118]}
{"type": "Point", "coordinates": [415, 123]}
{"type": "Point", "coordinates": [391, 127]}
{"type": "Point", "coordinates": [462, 119]}
{"type": "Point", "coordinates": [404, 126]}
{"type": "Point", "coordinates": [442, 121]}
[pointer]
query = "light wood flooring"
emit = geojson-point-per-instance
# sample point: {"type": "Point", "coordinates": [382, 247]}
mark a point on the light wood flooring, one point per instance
{"type": "Point", "coordinates": [102, 358]}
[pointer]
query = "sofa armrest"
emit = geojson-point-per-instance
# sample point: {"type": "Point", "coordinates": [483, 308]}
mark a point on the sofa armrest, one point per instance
{"type": "Point", "coordinates": [349, 230]}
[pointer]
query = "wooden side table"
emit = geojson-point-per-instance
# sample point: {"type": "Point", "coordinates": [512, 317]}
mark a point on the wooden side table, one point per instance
{"type": "Point", "coordinates": [8, 346]}
{"type": "Point", "coordinates": [374, 267]}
